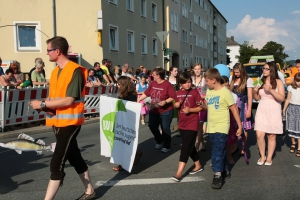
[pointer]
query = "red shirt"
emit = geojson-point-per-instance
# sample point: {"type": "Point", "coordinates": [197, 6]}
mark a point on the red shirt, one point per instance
{"type": "Point", "coordinates": [188, 121]}
{"type": "Point", "coordinates": [160, 92]}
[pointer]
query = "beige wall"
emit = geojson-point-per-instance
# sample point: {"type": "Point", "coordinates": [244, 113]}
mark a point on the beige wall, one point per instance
{"type": "Point", "coordinates": [76, 20]}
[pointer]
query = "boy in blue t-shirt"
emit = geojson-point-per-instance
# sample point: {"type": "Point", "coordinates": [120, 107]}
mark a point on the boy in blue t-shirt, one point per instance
{"type": "Point", "coordinates": [218, 101]}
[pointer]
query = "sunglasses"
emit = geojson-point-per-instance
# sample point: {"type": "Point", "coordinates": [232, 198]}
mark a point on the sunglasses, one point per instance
{"type": "Point", "coordinates": [266, 69]}
{"type": "Point", "coordinates": [48, 50]}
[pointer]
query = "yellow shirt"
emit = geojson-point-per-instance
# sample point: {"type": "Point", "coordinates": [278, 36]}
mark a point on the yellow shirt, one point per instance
{"type": "Point", "coordinates": [105, 69]}
{"type": "Point", "coordinates": [218, 103]}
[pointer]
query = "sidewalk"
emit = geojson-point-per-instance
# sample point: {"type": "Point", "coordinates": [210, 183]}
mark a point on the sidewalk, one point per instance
{"type": "Point", "coordinates": [35, 129]}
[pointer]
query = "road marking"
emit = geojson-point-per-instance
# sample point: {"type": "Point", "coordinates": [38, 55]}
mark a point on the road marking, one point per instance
{"type": "Point", "coordinates": [297, 166]}
{"type": "Point", "coordinates": [147, 181]}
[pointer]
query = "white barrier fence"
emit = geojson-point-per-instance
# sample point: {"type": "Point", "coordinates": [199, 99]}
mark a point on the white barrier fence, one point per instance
{"type": "Point", "coordinates": [15, 109]}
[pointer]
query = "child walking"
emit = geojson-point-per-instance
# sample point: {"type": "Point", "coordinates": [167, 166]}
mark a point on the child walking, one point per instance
{"type": "Point", "coordinates": [219, 100]}
{"type": "Point", "coordinates": [199, 83]}
{"type": "Point", "coordinates": [140, 88]}
{"type": "Point", "coordinates": [232, 138]}
{"type": "Point", "coordinates": [242, 86]}
{"type": "Point", "coordinates": [187, 100]}
{"type": "Point", "coordinates": [291, 110]}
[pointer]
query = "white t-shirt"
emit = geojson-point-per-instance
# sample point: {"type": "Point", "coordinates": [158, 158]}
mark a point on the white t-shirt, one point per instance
{"type": "Point", "coordinates": [138, 85]}
{"type": "Point", "coordinates": [281, 76]}
{"type": "Point", "coordinates": [197, 84]}
{"type": "Point", "coordinates": [295, 95]}
{"type": "Point", "coordinates": [249, 82]}
{"type": "Point", "coordinates": [126, 74]}
{"type": "Point", "coordinates": [235, 97]}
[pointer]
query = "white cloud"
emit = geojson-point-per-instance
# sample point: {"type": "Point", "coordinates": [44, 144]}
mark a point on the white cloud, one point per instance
{"type": "Point", "coordinates": [296, 12]}
{"type": "Point", "coordinates": [262, 30]}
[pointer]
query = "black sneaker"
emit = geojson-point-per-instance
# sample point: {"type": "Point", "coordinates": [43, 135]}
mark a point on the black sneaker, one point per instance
{"type": "Point", "coordinates": [88, 196]}
{"type": "Point", "coordinates": [226, 174]}
{"type": "Point", "coordinates": [217, 182]}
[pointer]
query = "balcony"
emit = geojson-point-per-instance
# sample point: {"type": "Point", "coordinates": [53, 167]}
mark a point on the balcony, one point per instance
{"type": "Point", "coordinates": [215, 54]}
{"type": "Point", "coordinates": [215, 39]}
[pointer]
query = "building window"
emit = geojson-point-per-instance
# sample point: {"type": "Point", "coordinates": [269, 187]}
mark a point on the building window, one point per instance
{"type": "Point", "coordinates": [154, 46]}
{"type": "Point", "coordinates": [191, 6]}
{"type": "Point", "coordinates": [113, 38]}
{"type": "Point", "coordinates": [174, 21]}
{"type": "Point", "coordinates": [113, 2]}
{"type": "Point", "coordinates": [154, 12]}
{"type": "Point", "coordinates": [185, 59]}
{"type": "Point", "coordinates": [143, 8]}
{"type": "Point", "coordinates": [144, 44]}
{"type": "Point", "coordinates": [185, 35]}
{"type": "Point", "coordinates": [130, 41]}
{"type": "Point", "coordinates": [129, 5]}
{"type": "Point", "coordinates": [184, 10]}
{"type": "Point", "coordinates": [27, 36]}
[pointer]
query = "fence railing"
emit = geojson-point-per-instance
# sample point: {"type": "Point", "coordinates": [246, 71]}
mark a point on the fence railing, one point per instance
{"type": "Point", "coordinates": [15, 108]}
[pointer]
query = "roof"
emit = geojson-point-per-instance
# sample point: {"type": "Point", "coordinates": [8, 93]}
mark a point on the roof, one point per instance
{"type": "Point", "coordinates": [230, 41]}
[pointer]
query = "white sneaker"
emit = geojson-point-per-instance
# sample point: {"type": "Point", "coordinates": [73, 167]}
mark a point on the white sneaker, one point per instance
{"type": "Point", "coordinates": [164, 150]}
{"type": "Point", "coordinates": [158, 146]}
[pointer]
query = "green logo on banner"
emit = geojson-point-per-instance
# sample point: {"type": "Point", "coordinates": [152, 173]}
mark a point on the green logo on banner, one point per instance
{"type": "Point", "coordinates": [108, 123]}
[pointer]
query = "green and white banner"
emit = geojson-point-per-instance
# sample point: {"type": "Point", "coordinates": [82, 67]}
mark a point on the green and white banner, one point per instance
{"type": "Point", "coordinates": [119, 128]}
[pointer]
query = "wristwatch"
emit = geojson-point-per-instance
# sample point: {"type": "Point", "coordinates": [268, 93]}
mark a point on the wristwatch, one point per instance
{"type": "Point", "coordinates": [43, 105]}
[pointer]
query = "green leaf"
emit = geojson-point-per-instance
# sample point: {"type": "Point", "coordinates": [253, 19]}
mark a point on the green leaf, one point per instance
{"type": "Point", "coordinates": [120, 106]}
{"type": "Point", "coordinates": [108, 127]}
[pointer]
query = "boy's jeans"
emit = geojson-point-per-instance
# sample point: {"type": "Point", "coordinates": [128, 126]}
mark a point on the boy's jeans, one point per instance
{"type": "Point", "coordinates": [218, 154]}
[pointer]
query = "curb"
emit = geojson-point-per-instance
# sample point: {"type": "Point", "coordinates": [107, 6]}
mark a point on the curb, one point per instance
{"type": "Point", "coordinates": [37, 129]}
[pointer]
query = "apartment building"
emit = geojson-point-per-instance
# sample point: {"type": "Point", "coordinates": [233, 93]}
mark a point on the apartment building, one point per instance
{"type": "Point", "coordinates": [197, 33]}
{"type": "Point", "coordinates": [123, 31]}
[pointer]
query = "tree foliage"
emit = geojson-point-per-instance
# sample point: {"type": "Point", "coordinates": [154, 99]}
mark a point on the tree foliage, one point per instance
{"type": "Point", "coordinates": [271, 48]}
{"type": "Point", "coordinates": [275, 49]}
{"type": "Point", "coordinates": [246, 51]}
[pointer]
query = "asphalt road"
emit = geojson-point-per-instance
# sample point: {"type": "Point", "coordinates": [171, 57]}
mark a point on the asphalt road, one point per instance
{"type": "Point", "coordinates": [26, 176]}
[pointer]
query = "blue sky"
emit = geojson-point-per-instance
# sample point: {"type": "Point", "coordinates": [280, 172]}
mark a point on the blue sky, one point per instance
{"type": "Point", "coordinates": [260, 21]}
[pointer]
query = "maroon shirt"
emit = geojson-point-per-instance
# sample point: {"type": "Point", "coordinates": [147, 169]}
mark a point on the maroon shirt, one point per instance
{"type": "Point", "coordinates": [158, 93]}
{"type": "Point", "coordinates": [188, 121]}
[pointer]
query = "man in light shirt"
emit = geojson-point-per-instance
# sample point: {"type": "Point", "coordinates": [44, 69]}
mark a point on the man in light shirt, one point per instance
{"type": "Point", "coordinates": [125, 73]}
{"type": "Point", "coordinates": [106, 70]}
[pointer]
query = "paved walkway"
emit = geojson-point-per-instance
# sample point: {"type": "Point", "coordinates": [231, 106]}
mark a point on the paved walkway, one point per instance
{"type": "Point", "coordinates": [34, 129]}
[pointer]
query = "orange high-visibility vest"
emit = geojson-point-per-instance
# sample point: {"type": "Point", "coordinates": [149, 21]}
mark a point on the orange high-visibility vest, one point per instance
{"type": "Point", "coordinates": [71, 115]}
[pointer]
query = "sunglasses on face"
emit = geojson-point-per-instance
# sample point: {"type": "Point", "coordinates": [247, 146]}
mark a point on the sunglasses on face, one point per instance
{"type": "Point", "coordinates": [266, 69]}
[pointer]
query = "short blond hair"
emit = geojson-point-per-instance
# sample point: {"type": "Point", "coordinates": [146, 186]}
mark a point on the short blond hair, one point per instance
{"type": "Point", "coordinates": [213, 73]}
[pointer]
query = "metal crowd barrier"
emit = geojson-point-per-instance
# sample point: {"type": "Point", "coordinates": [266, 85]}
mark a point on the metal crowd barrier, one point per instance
{"type": "Point", "coordinates": [15, 109]}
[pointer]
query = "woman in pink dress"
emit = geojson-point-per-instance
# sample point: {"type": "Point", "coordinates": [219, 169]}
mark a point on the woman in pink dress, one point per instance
{"type": "Point", "coordinates": [268, 114]}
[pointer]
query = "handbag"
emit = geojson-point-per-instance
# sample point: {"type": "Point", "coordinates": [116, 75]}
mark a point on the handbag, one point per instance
{"type": "Point", "coordinates": [175, 126]}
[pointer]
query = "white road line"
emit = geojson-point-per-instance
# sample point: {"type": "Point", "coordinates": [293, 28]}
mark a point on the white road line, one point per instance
{"type": "Point", "coordinates": [147, 181]}
{"type": "Point", "coordinates": [297, 166]}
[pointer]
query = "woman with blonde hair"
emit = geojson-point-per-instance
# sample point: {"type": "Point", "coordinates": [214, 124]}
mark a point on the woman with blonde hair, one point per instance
{"type": "Point", "coordinates": [198, 82]}
{"type": "Point", "coordinates": [18, 75]}
{"type": "Point", "coordinates": [242, 86]}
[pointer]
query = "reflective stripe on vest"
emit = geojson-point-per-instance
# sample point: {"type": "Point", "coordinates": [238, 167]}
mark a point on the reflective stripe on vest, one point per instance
{"type": "Point", "coordinates": [73, 114]}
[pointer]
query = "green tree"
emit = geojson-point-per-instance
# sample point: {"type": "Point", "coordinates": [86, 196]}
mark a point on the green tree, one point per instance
{"type": "Point", "coordinates": [228, 61]}
{"type": "Point", "coordinates": [246, 51]}
{"type": "Point", "coordinates": [275, 49]}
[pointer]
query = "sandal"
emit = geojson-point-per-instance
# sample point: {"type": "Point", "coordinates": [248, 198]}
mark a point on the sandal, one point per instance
{"type": "Point", "coordinates": [298, 153]}
{"type": "Point", "coordinates": [292, 148]}
{"type": "Point", "coordinates": [138, 155]}
{"type": "Point", "coordinates": [118, 168]}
